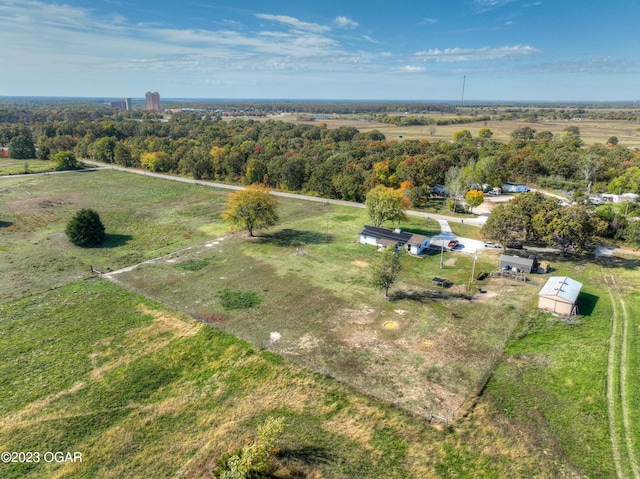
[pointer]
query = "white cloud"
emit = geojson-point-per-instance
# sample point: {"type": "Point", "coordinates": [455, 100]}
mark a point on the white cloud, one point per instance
{"type": "Point", "coordinates": [450, 55]}
{"type": "Point", "coordinates": [483, 6]}
{"type": "Point", "coordinates": [412, 69]}
{"type": "Point", "coordinates": [428, 21]}
{"type": "Point", "coordinates": [345, 22]}
{"type": "Point", "coordinates": [293, 22]}
{"type": "Point", "coordinates": [491, 3]}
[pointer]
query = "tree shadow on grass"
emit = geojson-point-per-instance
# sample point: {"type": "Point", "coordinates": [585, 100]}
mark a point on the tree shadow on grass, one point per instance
{"type": "Point", "coordinates": [291, 237]}
{"type": "Point", "coordinates": [422, 296]}
{"type": "Point", "coordinates": [618, 262]}
{"type": "Point", "coordinates": [114, 241]}
{"type": "Point", "coordinates": [307, 454]}
{"type": "Point", "coordinates": [5, 224]}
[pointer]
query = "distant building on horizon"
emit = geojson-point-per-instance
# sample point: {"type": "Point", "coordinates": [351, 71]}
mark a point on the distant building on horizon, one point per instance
{"type": "Point", "coordinates": [153, 101]}
{"type": "Point", "coordinates": [122, 104]}
{"type": "Point", "coordinates": [119, 105]}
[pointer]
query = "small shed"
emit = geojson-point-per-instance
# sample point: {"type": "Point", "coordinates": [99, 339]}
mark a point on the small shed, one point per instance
{"type": "Point", "coordinates": [522, 265]}
{"type": "Point", "coordinates": [559, 295]}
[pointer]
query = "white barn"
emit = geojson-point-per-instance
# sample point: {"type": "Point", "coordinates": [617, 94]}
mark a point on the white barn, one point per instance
{"type": "Point", "coordinates": [559, 295]}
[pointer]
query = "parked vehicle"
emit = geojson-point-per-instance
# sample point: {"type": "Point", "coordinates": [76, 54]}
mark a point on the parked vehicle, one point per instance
{"type": "Point", "coordinates": [491, 244]}
{"type": "Point", "coordinates": [453, 243]}
{"type": "Point", "coordinates": [514, 245]}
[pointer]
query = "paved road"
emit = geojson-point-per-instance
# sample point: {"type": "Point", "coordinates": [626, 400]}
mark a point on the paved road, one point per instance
{"type": "Point", "coordinates": [478, 221]}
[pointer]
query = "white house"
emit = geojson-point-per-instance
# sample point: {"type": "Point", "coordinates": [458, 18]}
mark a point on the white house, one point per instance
{"type": "Point", "coordinates": [514, 188]}
{"type": "Point", "coordinates": [559, 295]}
{"type": "Point", "coordinates": [383, 237]}
{"type": "Point", "coordinates": [623, 198]}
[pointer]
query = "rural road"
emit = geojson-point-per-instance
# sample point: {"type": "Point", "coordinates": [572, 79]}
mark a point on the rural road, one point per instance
{"type": "Point", "coordinates": [478, 221]}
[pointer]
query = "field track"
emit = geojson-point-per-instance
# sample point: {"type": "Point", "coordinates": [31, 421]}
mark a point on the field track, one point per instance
{"type": "Point", "coordinates": [624, 454]}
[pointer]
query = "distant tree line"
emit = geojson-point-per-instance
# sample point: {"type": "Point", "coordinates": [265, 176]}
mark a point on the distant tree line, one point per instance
{"type": "Point", "coordinates": [336, 163]}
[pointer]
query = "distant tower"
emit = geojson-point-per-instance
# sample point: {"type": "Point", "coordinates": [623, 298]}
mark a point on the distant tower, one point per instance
{"type": "Point", "coordinates": [464, 81]}
{"type": "Point", "coordinates": [127, 103]}
{"type": "Point", "coordinates": [153, 101]}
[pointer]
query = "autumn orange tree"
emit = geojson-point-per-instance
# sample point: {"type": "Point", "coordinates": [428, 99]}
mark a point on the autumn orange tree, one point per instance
{"type": "Point", "coordinates": [251, 208]}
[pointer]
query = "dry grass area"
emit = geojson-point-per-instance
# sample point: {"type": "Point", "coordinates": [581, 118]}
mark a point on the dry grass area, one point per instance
{"type": "Point", "coordinates": [591, 131]}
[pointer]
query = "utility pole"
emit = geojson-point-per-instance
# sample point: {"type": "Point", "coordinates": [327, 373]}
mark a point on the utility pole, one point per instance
{"type": "Point", "coordinates": [473, 269]}
{"type": "Point", "coordinates": [464, 81]}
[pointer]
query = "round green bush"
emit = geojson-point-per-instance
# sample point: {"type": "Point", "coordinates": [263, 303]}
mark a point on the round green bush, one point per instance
{"type": "Point", "coordinates": [85, 229]}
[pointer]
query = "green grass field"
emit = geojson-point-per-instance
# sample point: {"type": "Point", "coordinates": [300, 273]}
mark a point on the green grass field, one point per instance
{"type": "Point", "coordinates": [144, 218]}
{"type": "Point", "coordinates": [18, 167]}
{"type": "Point", "coordinates": [141, 389]}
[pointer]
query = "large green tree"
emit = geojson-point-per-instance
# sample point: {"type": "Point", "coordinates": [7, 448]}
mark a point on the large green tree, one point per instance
{"type": "Point", "coordinates": [569, 228]}
{"type": "Point", "coordinates": [251, 208]}
{"type": "Point", "coordinates": [21, 148]}
{"type": "Point", "coordinates": [385, 204]}
{"type": "Point", "coordinates": [505, 224]}
{"type": "Point", "coordinates": [103, 149]}
{"type": "Point", "coordinates": [65, 160]}
{"type": "Point", "coordinates": [526, 206]}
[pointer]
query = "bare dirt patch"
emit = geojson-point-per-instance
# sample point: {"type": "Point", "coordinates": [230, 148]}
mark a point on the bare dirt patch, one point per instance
{"type": "Point", "coordinates": [360, 264]}
{"type": "Point", "coordinates": [357, 316]}
{"type": "Point", "coordinates": [484, 297]}
{"type": "Point", "coordinates": [362, 338]}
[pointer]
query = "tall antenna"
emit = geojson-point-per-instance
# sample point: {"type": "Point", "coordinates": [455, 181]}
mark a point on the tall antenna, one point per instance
{"type": "Point", "coordinates": [464, 80]}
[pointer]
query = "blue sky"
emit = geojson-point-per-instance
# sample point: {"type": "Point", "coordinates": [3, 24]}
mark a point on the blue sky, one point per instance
{"type": "Point", "coordinates": [524, 50]}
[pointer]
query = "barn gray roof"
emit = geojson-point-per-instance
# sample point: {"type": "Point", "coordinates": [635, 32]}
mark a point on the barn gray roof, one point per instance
{"type": "Point", "coordinates": [516, 260]}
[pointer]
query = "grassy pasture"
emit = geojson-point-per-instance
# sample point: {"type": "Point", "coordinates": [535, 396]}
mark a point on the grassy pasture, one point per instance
{"type": "Point", "coordinates": [17, 167]}
{"type": "Point", "coordinates": [144, 218]}
{"type": "Point", "coordinates": [423, 353]}
{"type": "Point", "coordinates": [143, 390]}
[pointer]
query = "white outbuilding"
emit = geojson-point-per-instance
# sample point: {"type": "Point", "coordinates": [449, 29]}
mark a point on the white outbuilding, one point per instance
{"type": "Point", "coordinates": [559, 295]}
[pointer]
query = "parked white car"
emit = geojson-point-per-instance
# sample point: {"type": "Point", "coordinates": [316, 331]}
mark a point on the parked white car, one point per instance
{"type": "Point", "coordinates": [491, 244]}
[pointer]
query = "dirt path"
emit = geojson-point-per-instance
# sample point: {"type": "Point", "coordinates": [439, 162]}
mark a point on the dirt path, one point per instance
{"type": "Point", "coordinates": [624, 455]}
